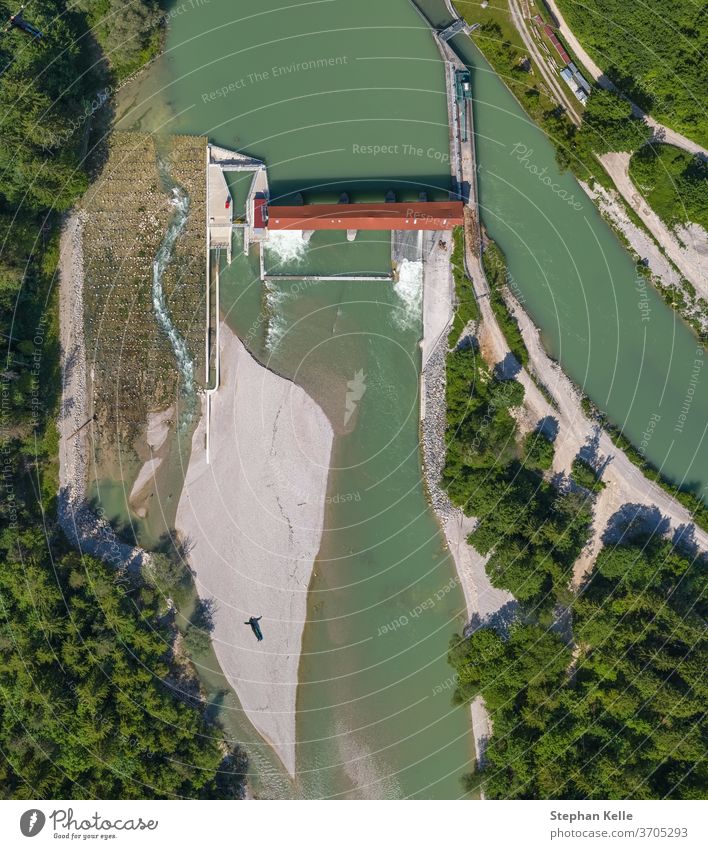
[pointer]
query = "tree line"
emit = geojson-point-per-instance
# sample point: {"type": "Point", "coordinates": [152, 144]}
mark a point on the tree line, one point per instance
{"type": "Point", "coordinates": [619, 712]}
{"type": "Point", "coordinates": [92, 702]}
{"type": "Point", "coordinates": [593, 694]}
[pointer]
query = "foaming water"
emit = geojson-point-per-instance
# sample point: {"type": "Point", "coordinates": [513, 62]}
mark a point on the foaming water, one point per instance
{"type": "Point", "coordinates": [180, 202]}
{"type": "Point", "coordinates": [286, 247]}
{"type": "Point", "coordinates": [277, 320]}
{"type": "Point", "coordinates": [409, 290]}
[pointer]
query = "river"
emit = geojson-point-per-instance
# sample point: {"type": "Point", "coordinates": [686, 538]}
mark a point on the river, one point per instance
{"type": "Point", "coordinates": [339, 96]}
{"type": "Point", "coordinates": [613, 335]}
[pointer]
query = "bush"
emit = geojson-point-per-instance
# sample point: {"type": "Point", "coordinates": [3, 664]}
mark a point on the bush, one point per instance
{"type": "Point", "coordinates": [538, 451]}
{"type": "Point", "coordinates": [495, 269]}
{"type": "Point", "coordinates": [128, 30]}
{"type": "Point", "coordinates": [608, 124]}
{"type": "Point", "coordinates": [467, 308]}
{"type": "Point", "coordinates": [673, 182]}
{"type": "Point", "coordinates": [586, 476]}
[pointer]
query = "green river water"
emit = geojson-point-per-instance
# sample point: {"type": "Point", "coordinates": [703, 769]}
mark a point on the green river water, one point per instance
{"type": "Point", "coordinates": [374, 712]}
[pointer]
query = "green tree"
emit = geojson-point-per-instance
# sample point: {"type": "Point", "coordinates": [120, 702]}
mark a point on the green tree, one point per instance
{"type": "Point", "coordinates": [538, 451]}
{"type": "Point", "coordinates": [608, 124]}
{"type": "Point", "coordinates": [584, 474]}
{"type": "Point", "coordinates": [674, 183]}
{"type": "Point", "coordinates": [620, 716]}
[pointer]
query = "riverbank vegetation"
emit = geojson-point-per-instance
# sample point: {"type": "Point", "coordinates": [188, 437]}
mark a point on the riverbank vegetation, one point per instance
{"type": "Point", "coordinates": [497, 275]}
{"type": "Point", "coordinates": [585, 475]}
{"type": "Point", "coordinates": [86, 707]}
{"type": "Point", "coordinates": [607, 123]}
{"type": "Point", "coordinates": [91, 704]}
{"type": "Point", "coordinates": [618, 713]}
{"type": "Point", "coordinates": [653, 52]}
{"type": "Point", "coordinates": [466, 304]}
{"type": "Point", "coordinates": [533, 531]}
{"type": "Point", "coordinates": [128, 31]}
{"type": "Point", "coordinates": [673, 182]}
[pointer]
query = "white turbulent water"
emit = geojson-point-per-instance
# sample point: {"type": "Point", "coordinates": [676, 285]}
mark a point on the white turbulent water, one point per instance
{"type": "Point", "coordinates": [162, 259]}
{"type": "Point", "coordinates": [287, 247]}
{"type": "Point", "coordinates": [409, 290]}
{"type": "Point", "coordinates": [277, 323]}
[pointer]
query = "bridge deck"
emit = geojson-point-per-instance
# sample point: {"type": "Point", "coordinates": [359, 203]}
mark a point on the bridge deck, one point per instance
{"type": "Point", "coordinates": [442, 215]}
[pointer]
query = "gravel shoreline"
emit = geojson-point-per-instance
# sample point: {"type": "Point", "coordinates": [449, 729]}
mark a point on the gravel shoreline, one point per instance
{"type": "Point", "coordinates": [90, 532]}
{"type": "Point", "coordinates": [433, 427]}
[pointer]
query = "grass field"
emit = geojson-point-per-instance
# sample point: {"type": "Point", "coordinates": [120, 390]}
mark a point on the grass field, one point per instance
{"type": "Point", "coordinates": [674, 183]}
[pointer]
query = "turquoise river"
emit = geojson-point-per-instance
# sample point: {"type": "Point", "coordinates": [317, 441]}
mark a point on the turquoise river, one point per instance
{"type": "Point", "coordinates": [337, 96]}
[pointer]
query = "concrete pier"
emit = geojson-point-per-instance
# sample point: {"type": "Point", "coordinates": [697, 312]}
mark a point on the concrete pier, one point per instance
{"type": "Point", "coordinates": [220, 210]}
{"type": "Point", "coordinates": [317, 278]}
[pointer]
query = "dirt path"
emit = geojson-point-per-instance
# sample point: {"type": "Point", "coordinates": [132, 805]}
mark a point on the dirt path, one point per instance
{"type": "Point", "coordinates": [689, 260]}
{"type": "Point", "coordinates": [626, 485]}
{"type": "Point", "coordinates": [661, 132]}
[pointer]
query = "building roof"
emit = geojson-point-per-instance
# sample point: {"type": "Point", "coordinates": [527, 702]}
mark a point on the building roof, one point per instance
{"type": "Point", "coordinates": [259, 209]}
{"type": "Point", "coordinates": [442, 215]}
{"type": "Point", "coordinates": [554, 41]}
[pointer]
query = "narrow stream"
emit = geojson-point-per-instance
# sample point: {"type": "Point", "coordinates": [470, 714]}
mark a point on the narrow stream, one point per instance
{"type": "Point", "coordinates": [180, 203]}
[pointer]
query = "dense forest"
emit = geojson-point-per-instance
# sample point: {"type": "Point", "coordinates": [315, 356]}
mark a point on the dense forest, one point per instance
{"type": "Point", "coordinates": [91, 703]}
{"type": "Point", "coordinates": [674, 183]}
{"type": "Point", "coordinates": [655, 53]}
{"type": "Point", "coordinates": [592, 694]}
{"type": "Point", "coordinates": [617, 714]}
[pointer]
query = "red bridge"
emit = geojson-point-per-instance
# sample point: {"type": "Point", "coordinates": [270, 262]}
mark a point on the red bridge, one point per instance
{"type": "Point", "coordinates": [426, 215]}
